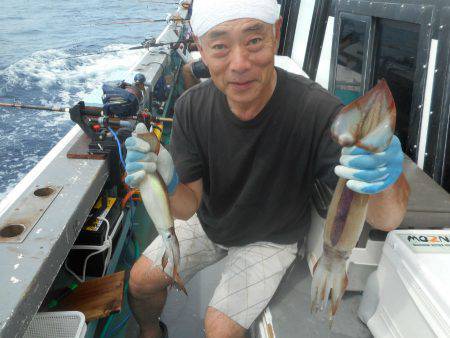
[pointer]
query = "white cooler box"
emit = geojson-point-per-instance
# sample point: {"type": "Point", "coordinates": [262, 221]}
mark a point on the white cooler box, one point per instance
{"type": "Point", "coordinates": [409, 294]}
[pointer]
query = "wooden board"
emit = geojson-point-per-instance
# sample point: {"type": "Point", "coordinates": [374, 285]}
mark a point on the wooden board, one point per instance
{"type": "Point", "coordinates": [80, 150]}
{"type": "Point", "coordinates": [97, 298]}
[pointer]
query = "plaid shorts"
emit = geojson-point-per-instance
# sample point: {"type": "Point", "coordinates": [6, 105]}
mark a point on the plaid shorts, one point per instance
{"type": "Point", "coordinates": [250, 277]}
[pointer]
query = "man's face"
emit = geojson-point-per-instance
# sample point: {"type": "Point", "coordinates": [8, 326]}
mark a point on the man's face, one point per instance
{"type": "Point", "coordinates": [240, 57]}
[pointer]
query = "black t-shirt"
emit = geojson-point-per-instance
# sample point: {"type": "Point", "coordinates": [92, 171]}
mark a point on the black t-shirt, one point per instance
{"type": "Point", "coordinates": [257, 175]}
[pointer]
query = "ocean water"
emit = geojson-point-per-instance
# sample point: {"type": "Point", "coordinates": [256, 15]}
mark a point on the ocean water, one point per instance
{"type": "Point", "coordinates": [41, 62]}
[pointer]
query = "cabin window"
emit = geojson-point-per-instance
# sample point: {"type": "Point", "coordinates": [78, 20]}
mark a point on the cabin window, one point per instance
{"type": "Point", "coordinates": [349, 79]}
{"type": "Point", "coordinates": [396, 47]}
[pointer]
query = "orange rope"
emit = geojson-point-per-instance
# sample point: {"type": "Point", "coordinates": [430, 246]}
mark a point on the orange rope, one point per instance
{"type": "Point", "coordinates": [128, 196]}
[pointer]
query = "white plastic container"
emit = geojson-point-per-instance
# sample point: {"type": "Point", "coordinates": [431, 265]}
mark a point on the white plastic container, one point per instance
{"type": "Point", "coordinates": [59, 324]}
{"type": "Point", "coordinates": [409, 294]}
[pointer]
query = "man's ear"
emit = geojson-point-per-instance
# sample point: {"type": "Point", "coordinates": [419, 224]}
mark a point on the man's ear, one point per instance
{"type": "Point", "coordinates": [278, 25]}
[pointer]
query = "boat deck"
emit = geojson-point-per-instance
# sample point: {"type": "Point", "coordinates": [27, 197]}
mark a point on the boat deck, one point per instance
{"type": "Point", "coordinates": [289, 308]}
{"type": "Point", "coordinates": [29, 267]}
{"type": "Point", "coordinates": [291, 316]}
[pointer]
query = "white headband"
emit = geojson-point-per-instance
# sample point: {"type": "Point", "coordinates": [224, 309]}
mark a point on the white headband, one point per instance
{"type": "Point", "coordinates": [207, 14]}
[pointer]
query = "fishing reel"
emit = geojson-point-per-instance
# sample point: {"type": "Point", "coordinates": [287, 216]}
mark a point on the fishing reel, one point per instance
{"type": "Point", "coordinates": [122, 100]}
{"type": "Point", "coordinates": [124, 106]}
{"type": "Point", "coordinates": [97, 126]}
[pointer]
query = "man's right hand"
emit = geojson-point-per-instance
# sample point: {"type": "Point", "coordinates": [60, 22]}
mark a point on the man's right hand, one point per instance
{"type": "Point", "coordinates": [140, 161]}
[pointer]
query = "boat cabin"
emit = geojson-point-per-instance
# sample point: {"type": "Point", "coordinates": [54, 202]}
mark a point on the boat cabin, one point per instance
{"type": "Point", "coordinates": [347, 46]}
{"type": "Point", "coordinates": [59, 230]}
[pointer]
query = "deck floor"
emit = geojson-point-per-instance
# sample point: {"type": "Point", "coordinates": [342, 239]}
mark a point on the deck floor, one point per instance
{"type": "Point", "coordinates": [290, 310]}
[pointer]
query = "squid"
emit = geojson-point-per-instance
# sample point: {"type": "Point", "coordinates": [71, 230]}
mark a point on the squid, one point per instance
{"type": "Point", "coordinates": [156, 201]}
{"type": "Point", "coordinates": [368, 123]}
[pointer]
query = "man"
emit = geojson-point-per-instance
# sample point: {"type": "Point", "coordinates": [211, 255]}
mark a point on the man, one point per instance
{"type": "Point", "coordinates": [193, 72]}
{"type": "Point", "coordinates": [246, 147]}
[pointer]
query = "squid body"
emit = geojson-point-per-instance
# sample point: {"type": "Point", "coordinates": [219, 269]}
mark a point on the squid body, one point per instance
{"type": "Point", "coordinates": [369, 123]}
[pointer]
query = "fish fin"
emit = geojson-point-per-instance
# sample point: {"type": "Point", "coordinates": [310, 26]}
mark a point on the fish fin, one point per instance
{"type": "Point", "coordinates": [178, 281]}
{"type": "Point", "coordinates": [164, 260]}
{"type": "Point", "coordinates": [175, 276]}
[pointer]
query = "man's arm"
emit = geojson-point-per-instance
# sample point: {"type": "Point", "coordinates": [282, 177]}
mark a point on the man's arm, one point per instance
{"type": "Point", "coordinates": [186, 199]}
{"type": "Point", "coordinates": [193, 72]}
{"type": "Point", "coordinates": [188, 77]}
{"type": "Point", "coordinates": [387, 209]}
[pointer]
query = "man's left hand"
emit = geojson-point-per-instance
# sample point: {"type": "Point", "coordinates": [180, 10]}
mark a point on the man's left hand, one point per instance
{"type": "Point", "coordinates": [369, 173]}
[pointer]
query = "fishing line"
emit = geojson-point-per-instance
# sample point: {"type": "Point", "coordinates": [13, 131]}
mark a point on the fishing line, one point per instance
{"type": "Point", "coordinates": [15, 98]}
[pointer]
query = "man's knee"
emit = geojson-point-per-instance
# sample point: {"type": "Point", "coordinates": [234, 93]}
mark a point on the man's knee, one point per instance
{"type": "Point", "coordinates": [219, 325]}
{"type": "Point", "coordinates": [146, 279]}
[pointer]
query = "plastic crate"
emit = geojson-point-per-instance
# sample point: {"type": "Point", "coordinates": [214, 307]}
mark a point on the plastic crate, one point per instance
{"type": "Point", "coordinates": [62, 324]}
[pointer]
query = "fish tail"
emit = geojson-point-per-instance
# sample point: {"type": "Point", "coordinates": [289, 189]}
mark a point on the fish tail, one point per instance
{"type": "Point", "coordinates": [175, 248]}
{"type": "Point", "coordinates": [172, 255]}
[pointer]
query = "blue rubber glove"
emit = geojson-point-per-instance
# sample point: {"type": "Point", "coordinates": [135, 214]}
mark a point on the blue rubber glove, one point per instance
{"type": "Point", "coordinates": [370, 173]}
{"type": "Point", "coordinates": [140, 161]}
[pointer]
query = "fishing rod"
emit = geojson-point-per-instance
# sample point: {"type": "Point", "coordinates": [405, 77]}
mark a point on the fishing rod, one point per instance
{"type": "Point", "coordinates": [100, 53]}
{"type": "Point", "coordinates": [95, 111]}
{"type": "Point", "coordinates": [147, 44]}
{"type": "Point", "coordinates": [134, 21]}
{"type": "Point", "coordinates": [185, 4]}
{"type": "Point", "coordinates": [27, 106]}
{"type": "Point", "coordinates": [140, 20]}
{"type": "Point", "coordinates": [47, 108]}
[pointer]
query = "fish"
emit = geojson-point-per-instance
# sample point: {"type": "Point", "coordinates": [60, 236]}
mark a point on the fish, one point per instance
{"type": "Point", "coordinates": [368, 123]}
{"type": "Point", "coordinates": [156, 201]}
